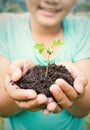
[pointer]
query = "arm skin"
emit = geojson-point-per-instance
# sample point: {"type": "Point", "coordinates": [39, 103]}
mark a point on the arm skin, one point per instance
{"type": "Point", "coordinates": [81, 107]}
{"type": "Point", "coordinates": [7, 106]}
{"type": "Point", "coordinates": [16, 102]}
{"type": "Point", "coordinates": [73, 106]}
{"type": "Point", "coordinates": [76, 102]}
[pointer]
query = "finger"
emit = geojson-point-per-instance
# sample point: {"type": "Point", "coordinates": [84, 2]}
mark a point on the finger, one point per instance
{"type": "Point", "coordinates": [41, 107]}
{"type": "Point", "coordinates": [19, 67]}
{"type": "Point", "coordinates": [22, 64]}
{"type": "Point", "coordinates": [27, 65]}
{"type": "Point", "coordinates": [19, 94]}
{"type": "Point", "coordinates": [50, 99]}
{"type": "Point", "coordinates": [67, 89]}
{"type": "Point", "coordinates": [41, 99]}
{"type": "Point", "coordinates": [67, 64]}
{"type": "Point", "coordinates": [17, 74]}
{"type": "Point", "coordinates": [60, 97]}
{"type": "Point", "coordinates": [75, 72]}
{"type": "Point", "coordinates": [26, 104]}
{"type": "Point", "coordinates": [79, 86]}
{"type": "Point", "coordinates": [46, 112]}
{"type": "Point", "coordinates": [53, 107]}
{"type": "Point", "coordinates": [41, 102]}
{"type": "Point", "coordinates": [35, 104]}
{"type": "Point", "coordinates": [80, 81]}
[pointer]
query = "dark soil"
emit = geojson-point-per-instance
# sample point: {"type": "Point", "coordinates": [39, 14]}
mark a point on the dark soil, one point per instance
{"type": "Point", "coordinates": [35, 78]}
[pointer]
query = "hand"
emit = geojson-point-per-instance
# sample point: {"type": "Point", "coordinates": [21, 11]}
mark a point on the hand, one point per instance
{"type": "Point", "coordinates": [24, 98]}
{"type": "Point", "coordinates": [64, 94]}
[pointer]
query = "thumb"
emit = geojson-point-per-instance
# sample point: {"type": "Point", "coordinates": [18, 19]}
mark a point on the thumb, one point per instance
{"type": "Point", "coordinates": [79, 86]}
{"type": "Point", "coordinates": [16, 75]}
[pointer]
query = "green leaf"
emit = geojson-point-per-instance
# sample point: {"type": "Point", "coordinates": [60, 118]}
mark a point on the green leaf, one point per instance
{"type": "Point", "coordinates": [39, 45]}
{"type": "Point", "coordinates": [57, 42]}
{"type": "Point", "coordinates": [41, 50]}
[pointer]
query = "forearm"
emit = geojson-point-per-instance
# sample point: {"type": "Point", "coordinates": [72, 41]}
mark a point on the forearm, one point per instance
{"type": "Point", "coordinates": [75, 99]}
{"type": "Point", "coordinates": [7, 106]}
{"type": "Point", "coordinates": [81, 107]}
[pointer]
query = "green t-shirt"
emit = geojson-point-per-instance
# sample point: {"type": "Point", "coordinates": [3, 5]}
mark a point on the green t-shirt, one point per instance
{"type": "Point", "coordinates": [16, 42]}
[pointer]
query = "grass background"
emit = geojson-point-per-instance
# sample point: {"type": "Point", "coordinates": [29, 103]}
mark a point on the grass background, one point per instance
{"type": "Point", "coordinates": [1, 124]}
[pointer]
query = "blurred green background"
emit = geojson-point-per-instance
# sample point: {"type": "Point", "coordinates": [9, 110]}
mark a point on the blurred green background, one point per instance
{"type": "Point", "coordinates": [19, 6]}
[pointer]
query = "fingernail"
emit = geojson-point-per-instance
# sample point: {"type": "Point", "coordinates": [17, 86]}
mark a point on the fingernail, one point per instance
{"type": "Point", "coordinates": [41, 99]}
{"type": "Point", "coordinates": [79, 88]}
{"type": "Point", "coordinates": [46, 112]}
{"type": "Point", "coordinates": [31, 93]}
{"type": "Point", "coordinates": [51, 106]}
{"type": "Point", "coordinates": [16, 75]}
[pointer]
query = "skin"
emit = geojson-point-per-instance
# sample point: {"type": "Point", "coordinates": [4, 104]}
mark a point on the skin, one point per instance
{"type": "Point", "coordinates": [46, 26]}
{"type": "Point", "coordinates": [49, 12]}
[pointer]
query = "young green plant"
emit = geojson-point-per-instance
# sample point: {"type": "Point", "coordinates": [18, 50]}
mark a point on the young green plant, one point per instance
{"type": "Point", "coordinates": [41, 48]}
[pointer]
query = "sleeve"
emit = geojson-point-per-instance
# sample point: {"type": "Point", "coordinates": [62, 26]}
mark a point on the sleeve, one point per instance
{"type": "Point", "coordinates": [82, 49]}
{"type": "Point", "coordinates": [3, 35]}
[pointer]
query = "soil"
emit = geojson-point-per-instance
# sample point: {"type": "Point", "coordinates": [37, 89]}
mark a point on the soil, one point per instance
{"type": "Point", "coordinates": [35, 78]}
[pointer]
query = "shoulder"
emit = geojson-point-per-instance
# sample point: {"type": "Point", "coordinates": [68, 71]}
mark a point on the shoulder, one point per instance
{"type": "Point", "coordinates": [78, 23]}
{"type": "Point", "coordinates": [77, 27]}
{"type": "Point", "coordinates": [7, 18]}
{"type": "Point", "coordinates": [11, 21]}
{"type": "Point", "coordinates": [13, 15]}
{"type": "Point", "coordinates": [78, 19]}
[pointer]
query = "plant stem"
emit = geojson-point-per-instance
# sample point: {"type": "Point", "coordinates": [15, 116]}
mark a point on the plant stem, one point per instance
{"type": "Point", "coordinates": [47, 67]}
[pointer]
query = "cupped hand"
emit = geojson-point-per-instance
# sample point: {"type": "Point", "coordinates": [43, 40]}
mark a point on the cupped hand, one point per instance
{"type": "Point", "coordinates": [24, 98]}
{"type": "Point", "coordinates": [65, 94]}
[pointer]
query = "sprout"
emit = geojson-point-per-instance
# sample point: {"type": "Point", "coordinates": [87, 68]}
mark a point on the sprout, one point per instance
{"type": "Point", "coordinates": [41, 48]}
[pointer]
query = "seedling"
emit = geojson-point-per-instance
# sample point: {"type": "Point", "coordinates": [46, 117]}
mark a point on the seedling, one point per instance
{"type": "Point", "coordinates": [41, 48]}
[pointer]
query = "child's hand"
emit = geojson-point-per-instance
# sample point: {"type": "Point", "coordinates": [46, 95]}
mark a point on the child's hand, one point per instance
{"type": "Point", "coordinates": [24, 98]}
{"type": "Point", "coordinates": [64, 93]}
